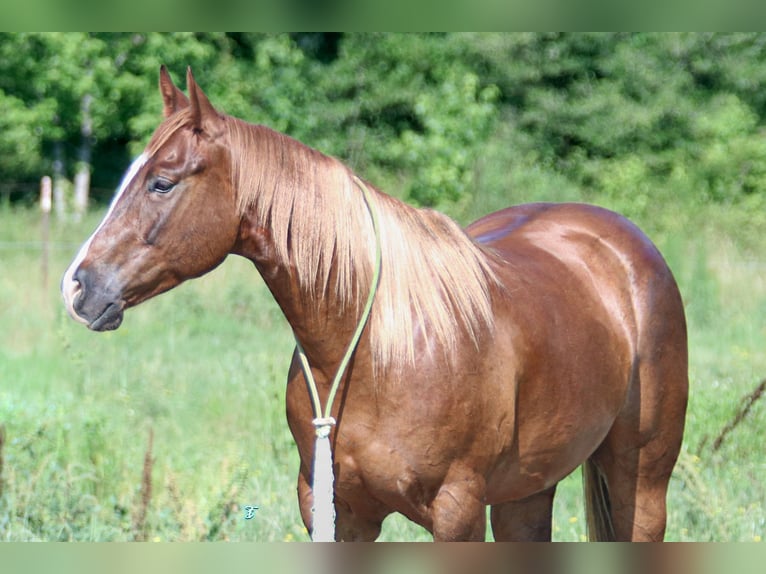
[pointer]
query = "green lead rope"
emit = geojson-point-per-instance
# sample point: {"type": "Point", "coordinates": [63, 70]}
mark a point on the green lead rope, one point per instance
{"type": "Point", "coordinates": [323, 527]}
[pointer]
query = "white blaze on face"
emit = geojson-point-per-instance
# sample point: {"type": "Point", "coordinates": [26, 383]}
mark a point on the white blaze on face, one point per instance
{"type": "Point", "coordinates": [71, 288]}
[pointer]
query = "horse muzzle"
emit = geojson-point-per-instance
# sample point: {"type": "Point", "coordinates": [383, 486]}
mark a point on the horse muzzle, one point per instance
{"type": "Point", "coordinates": [92, 302]}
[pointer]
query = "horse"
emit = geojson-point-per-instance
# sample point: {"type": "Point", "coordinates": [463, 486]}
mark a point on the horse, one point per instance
{"type": "Point", "coordinates": [497, 358]}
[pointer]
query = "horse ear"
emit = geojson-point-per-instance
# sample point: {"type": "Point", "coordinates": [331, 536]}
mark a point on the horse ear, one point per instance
{"type": "Point", "coordinates": [173, 99]}
{"type": "Point", "coordinates": [204, 116]}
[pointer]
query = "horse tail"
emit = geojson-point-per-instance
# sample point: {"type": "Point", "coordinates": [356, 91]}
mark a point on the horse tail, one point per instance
{"type": "Point", "coordinates": [597, 505]}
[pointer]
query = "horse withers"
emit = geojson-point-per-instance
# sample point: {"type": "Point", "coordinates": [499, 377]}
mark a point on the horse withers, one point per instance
{"type": "Point", "coordinates": [496, 359]}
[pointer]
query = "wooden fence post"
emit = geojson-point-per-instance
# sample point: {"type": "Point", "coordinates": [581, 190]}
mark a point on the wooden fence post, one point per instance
{"type": "Point", "coordinates": [46, 187]}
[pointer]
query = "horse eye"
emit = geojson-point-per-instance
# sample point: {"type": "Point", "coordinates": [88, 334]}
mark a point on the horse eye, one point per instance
{"type": "Point", "coordinates": [161, 185]}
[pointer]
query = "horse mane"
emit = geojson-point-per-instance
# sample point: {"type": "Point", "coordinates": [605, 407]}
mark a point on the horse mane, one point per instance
{"type": "Point", "coordinates": [435, 279]}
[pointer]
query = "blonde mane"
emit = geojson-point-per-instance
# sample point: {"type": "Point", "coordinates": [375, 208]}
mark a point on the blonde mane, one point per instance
{"type": "Point", "coordinates": [435, 280]}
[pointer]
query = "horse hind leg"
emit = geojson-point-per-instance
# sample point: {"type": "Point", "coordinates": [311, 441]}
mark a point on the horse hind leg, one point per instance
{"type": "Point", "coordinates": [624, 504]}
{"type": "Point", "coordinates": [630, 472]}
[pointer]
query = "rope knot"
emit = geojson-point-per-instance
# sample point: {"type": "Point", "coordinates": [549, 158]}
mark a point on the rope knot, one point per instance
{"type": "Point", "coordinates": [323, 426]}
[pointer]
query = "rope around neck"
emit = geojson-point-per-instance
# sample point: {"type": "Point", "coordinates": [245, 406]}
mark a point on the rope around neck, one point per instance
{"type": "Point", "coordinates": [323, 512]}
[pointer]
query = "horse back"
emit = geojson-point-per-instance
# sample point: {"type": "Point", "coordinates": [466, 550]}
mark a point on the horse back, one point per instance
{"type": "Point", "coordinates": [582, 245]}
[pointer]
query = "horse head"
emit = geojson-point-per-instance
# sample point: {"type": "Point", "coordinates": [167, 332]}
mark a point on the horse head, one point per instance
{"type": "Point", "coordinates": [174, 217]}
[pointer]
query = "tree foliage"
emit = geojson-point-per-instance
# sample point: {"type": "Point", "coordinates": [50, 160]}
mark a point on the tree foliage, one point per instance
{"type": "Point", "coordinates": [636, 116]}
{"type": "Point", "coordinates": [628, 118]}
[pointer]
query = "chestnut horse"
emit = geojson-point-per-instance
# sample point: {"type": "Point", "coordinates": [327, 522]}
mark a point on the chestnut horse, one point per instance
{"type": "Point", "coordinates": [496, 359]}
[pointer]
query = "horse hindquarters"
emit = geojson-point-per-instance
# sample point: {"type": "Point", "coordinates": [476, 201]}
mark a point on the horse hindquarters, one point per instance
{"type": "Point", "coordinates": [627, 478]}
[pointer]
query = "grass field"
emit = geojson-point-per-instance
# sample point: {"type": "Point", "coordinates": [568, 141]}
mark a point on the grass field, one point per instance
{"type": "Point", "coordinates": [167, 428]}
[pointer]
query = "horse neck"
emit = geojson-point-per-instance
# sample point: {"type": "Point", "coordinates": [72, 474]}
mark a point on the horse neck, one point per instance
{"type": "Point", "coordinates": [307, 253]}
{"type": "Point", "coordinates": [327, 326]}
{"type": "Point", "coordinates": [307, 227]}
{"type": "Point", "coordinates": [321, 321]}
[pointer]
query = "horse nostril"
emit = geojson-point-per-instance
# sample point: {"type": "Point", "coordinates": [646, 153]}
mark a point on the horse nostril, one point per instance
{"type": "Point", "coordinates": [75, 285]}
{"type": "Point", "coordinates": [75, 288]}
{"type": "Point", "coordinates": [71, 288]}
{"type": "Point", "coordinates": [79, 280]}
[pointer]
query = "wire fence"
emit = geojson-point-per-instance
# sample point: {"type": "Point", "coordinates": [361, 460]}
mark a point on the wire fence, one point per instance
{"type": "Point", "coordinates": [38, 245]}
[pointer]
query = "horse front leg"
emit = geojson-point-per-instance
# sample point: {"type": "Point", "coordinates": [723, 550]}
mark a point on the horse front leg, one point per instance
{"type": "Point", "coordinates": [305, 501]}
{"type": "Point", "coordinates": [458, 511]}
{"type": "Point", "coordinates": [528, 520]}
{"type": "Point", "coordinates": [349, 526]}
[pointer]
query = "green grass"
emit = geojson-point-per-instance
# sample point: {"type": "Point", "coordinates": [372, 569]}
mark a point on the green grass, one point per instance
{"type": "Point", "coordinates": [202, 368]}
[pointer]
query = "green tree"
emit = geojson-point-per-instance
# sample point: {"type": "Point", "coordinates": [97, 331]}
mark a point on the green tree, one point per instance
{"type": "Point", "coordinates": [77, 96]}
{"type": "Point", "coordinates": [409, 104]}
{"type": "Point", "coordinates": [635, 119]}
{"type": "Point", "coordinates": [627, 118]}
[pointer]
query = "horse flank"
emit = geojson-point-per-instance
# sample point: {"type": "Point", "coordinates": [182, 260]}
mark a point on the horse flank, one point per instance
{"type": "Point", "coordinates": [435, 279]}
